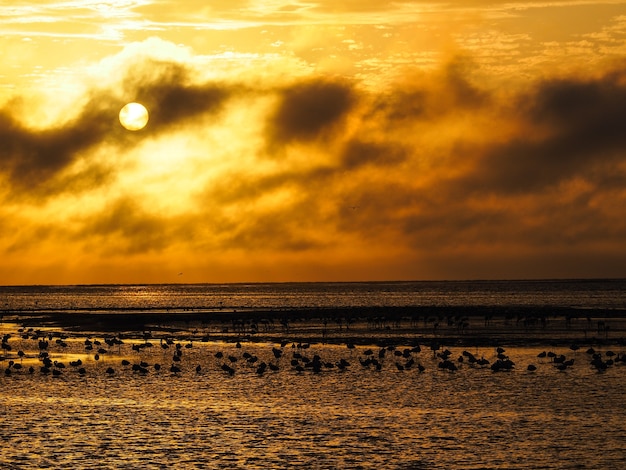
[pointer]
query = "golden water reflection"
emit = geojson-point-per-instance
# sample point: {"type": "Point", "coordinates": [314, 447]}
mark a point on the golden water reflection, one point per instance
{"type": "Point", "coordinates": [356, 417]}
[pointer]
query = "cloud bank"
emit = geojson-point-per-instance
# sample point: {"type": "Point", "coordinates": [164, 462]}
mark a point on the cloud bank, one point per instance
{"type": "Point", "coordinates": [433, 175]}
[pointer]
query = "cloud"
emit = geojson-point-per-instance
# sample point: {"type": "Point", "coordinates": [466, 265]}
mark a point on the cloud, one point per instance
{"type": "Point", "coordinates": [38, 162]}
{"type": "Point", "coordinates": [171, 95]}
{"type": "Point", "coordinates": [310, 110]}
{"type": "Point", "coordinates": [124, 226]}
{"type": "Point", "coordinates": [547, 172]}
{"type": "Point", "coordinates": [358, 153]}
{"type": "Point", "coordinates": [427, 96]}
{"type": "Point", "coordinates": [576, 130]}
{"type": "Point", "coordinates": [434, 165]}
{"type": "Point", "coordinates": [32, 158]}
{"type": "Point", "coordinates": [369, 190]}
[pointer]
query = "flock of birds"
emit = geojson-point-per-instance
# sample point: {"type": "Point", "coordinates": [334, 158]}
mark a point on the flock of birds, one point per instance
{"type": "Point", "coordinates": [41, 349]}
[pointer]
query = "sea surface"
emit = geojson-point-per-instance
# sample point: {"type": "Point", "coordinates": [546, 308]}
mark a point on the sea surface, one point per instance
{"type": "Point", "coordinates": [590, 293]}
{"type": "Point", "coordinates": [313, 405]}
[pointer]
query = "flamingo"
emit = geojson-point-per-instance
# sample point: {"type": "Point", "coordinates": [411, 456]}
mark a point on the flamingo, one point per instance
{"type": "Point", "coordinates": [261, 369]}
{"type": "Point", "coordinates": [227, 368]}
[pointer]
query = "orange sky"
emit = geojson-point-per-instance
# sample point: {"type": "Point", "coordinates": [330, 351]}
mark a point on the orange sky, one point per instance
{"type": "Point", "coordinates": [312, 141]}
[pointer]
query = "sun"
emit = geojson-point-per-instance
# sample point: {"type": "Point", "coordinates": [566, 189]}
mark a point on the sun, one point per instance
{"type": "Point", "coordinates": [134, 116]}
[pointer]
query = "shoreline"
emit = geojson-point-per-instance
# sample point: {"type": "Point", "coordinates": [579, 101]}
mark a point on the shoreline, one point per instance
{"type": "Point", "coordinates": [450, 325]}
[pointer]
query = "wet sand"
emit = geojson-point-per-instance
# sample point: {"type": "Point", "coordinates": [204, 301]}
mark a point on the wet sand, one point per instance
{"type": "Point", "coordinates": [471, 326]}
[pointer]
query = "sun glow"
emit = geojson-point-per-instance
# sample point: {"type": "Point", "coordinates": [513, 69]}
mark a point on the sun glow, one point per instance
{"type": "Point", "coordinates": [276, 140]}
{"type": "Point", "coordinates": [134, 116]}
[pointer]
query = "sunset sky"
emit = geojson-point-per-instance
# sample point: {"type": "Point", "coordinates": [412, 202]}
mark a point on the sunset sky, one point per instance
{"type": "Point", "coordinates": [312, 140]}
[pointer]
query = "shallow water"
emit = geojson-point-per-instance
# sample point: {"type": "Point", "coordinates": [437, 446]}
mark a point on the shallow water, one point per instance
{"type": "Point", "coordinates": [472, 418]}
{"type": "Point", "coordinates": [357, 418]}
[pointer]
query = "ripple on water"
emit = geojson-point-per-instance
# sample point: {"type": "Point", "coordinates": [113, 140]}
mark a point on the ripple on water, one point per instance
{"type": "Point", "coordinates": [359, 418]}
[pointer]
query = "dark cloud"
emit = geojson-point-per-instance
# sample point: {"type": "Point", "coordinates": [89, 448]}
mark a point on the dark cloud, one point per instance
{"type": "Point", "coordinates": [577, 129]}
{"type": "Point", "coordinates": [31, 158]}
{"type": "Point", "coordinates": [170, 103]}
{"type": "Point", "coordinates": [126, 227]}
{"type": "Point", "coordinates": [474, 187]}
{"type": "Point", "coordinates": [425, 98]}
{"type": "Point", "coordinates": [589, 113]}
{"type": "Point", "coordinates": [358, 153]}
{"type": "Point", "coordinates": [574, 131]}
{"type": "Point", "coordinates": [34, 161]}
{"type": "Point", "coordinates": [403, 104]}
{"type": "Point", "coordinates": [461, 92]}
{"type": "Point", "coordinates": [168, 91]}
{"type": "Point", "coordinates": [310, 110]}
{"type": "Point", "coordinates": [555, 184]}
{"type": "Point", "coordinates": [277, 230]}
{"type": "Point", "coordinates": [431, 221]}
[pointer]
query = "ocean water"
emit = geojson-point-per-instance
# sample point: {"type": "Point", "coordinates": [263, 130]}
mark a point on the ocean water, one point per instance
{"type": "Point", "coordinates": [606, 293]}
{"type": "Point", "coordinates": [292, 415]}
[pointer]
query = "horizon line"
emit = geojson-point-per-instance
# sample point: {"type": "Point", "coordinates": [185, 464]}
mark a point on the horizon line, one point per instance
{"type": "Point", "coordinates": [390, 281]}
